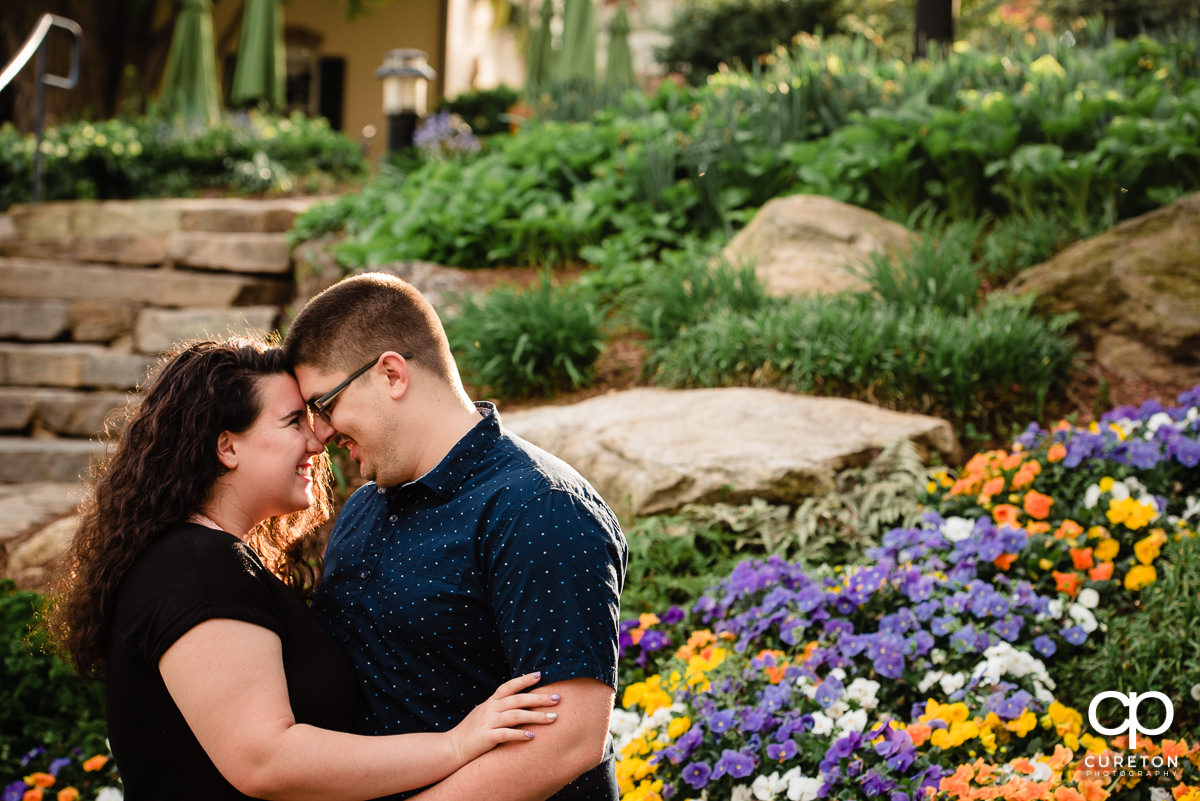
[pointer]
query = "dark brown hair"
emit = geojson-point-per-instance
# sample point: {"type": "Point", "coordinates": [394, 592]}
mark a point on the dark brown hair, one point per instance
{"type": "Point", "coordinates": [360, 317]}
{"type": "Point", "coordinates": [158, 472]}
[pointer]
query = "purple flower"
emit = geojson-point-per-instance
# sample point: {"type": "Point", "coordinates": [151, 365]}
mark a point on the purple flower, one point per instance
{"type": "Point", "coordinates": [753, 719]}
{"type": "Point", "coordinates": [1044, 646]}
{"type": "Point", "coordinates": [737, 764]}
{"type": "Point", "coordinates": [1186, 451]}
{"type": "Point", "coordinates": [1074, 635]}
{"type": "Point", "coordinates": [672, 616]}
{"type": "Point", "coordinates": [721, 722]}
{"type": "Point", "coordinates": [15, 791]}
{"type": "Point", "coordinates": [943, 625]}
{"type": "Point", "coordinates": [654, 639]}
{"type": "Point", "coordinates": [58, 765]}
{"type": "Point", "coordinates": [873, 784]}
{"type": "Point", "coordinates": [782, 752]}
{"type": "Point", "coordinates": [829, 691]}
{"type": "Point", "coordinates": [697, 774]}
{"type": "Point", "coordinates": [1009, 629]}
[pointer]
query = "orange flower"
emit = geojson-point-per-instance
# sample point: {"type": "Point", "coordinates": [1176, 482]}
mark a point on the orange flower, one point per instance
{"type": "Point", "coordinates": [33, 794]}
{"type": "Point", "coordinates": [1068, 530]}
{"type": "Point", "coordinates": [1026, 474]}
{"type": "Point", "coordinates": [1101, 572]}
{"type": "Point", "coordinates": [1012, 460]}
{"type": "Point", "coordinates": [1066, 582]}
{"type": "Point", "coordinates": [68, 794]}
{"type": "Point", "coordinates": [636, 635]}
{"type": "Point", "coordinates": [993, 486]}
{"type": "Point", "coordinates": [919, 732]}
{"type": "Point", "coordinates": [1173, 749]}
{"type": "Point", "coordinates": [1022, 765]}
{"type": "Point", "coordinates": [1082, 557]}
{"type": "Point", "coordinates": [1004, 561]}
{"type": "Point", "coordinates": [1038, 527]}
{"type": "Point", "coordinates": [39, 779]}
{"type": "Point", "coordinates": [95, 763]}
{"type": "Point", "coordinates": [1057, 453]}
{"type": "Point", "coordinates": [1061, 757]}
{"type": "Point", "coordinates": [1038, 505]}
{"type": "Point", "coordinates": [1006, 514]}
{"type": "Point", "coordinates": [1067, 794]}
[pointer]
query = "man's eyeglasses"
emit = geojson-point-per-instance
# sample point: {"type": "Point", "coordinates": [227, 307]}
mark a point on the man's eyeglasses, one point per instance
{"type": "Point", "coordinates": [323, 406]}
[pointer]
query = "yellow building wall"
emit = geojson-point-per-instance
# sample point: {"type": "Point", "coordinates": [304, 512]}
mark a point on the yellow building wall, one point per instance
{"type": "Point", "coordinates": [417, 24]}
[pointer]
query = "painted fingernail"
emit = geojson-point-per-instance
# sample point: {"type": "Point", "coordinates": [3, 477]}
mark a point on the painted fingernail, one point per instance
{"type": "Point", "coordinates": [528, 735]}
{"type": "Point", "coordinates": [537, 674]}
{"type": "Point", "coordinates": [551, 716]}
{"type": "Point", "coordinates": [555, 697]}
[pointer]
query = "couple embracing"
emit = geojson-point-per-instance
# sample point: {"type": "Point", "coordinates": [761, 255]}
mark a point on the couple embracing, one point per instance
{"type": "Point", "coordinates": [461, 641]}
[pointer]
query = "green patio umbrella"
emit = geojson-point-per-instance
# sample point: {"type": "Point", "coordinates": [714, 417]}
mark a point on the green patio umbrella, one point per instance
{"type": "Point", "coordinates": [577, 59]}
{"type": "Point", "coordinates": [189, 88]}
{"type": "Point", "coordinates": [618, 71]}
{"type": "Point", "coordinates": [541, 51]}
{"type": "Point", "coordinates": [261, 60]}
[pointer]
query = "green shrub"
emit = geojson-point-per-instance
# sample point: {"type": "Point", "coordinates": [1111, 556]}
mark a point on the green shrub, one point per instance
{"type": "Point", "coordinates": [485, 110]}
{"type": "Point", "coordinates": [937, 271]}
{"type": "Point", "coordinates": [151, 157]}
{"type": "Point", "coordinates": [708, 33]}
{"type": "Point", "coordinates": [989, 369]}
{"type": "Point", "coordinates": [46, 704]}
{"type": "Point", "coordinates": [519, 343]}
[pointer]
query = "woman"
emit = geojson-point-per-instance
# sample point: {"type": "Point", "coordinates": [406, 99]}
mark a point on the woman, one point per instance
{"type": "Point", "coordinates": [219, 683]}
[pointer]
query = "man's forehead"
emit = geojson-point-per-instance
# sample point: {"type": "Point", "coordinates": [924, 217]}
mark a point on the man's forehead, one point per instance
{"type": "Point", "coordinates": [313, 380]}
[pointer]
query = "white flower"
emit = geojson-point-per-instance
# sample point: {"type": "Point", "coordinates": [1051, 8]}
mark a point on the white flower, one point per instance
{"type": "Point", "coordinates": [838, 673]}
{"type": "Point", "coordinates": [1156, 422]}
{"type": "Point", "coordinates": [1196, 692]}
{"type": "Point", "coordinates": [1119, 491]}
{"type": "Point", "coordinates": [1041, 772]}
{"type": "Point", "coordinates": [1083, 618]}
{"type": "Point", "coordinates": [110, 794]}
{"type": "Point", "coordinates": [1088, 598]}
{"type": "Point", "coordinates": [863, 692]}
{"type": "Point", "coordinates": [854, 721]}
{"type": "Point", "coordinates": [1191, 507]}
{"type": "Point", "coordinates": [951, 682]}
{"type": "Point", "coordinates": [802, 788]}
{"type": "Point", "coordinates": [929, 679]}
{"type": "Point", "coordinates": [767, 788]}
{"type": "Point", "coordinates": [822, 724]}
{"type": "Point", "coordinates": [624, 722]}
{"type": "Point", "coordinates": [741, 792]}
{"type": "Point", "coordinates": [837, 709]}
{"type": "Point", "coordinates": [937, 656]}
{"type": "Point", "coordinates": [1159, 794]}
{"type": "Point", "coordinates": [1054, 609]}
{"type": "Point", "coordinates": [957, 528]}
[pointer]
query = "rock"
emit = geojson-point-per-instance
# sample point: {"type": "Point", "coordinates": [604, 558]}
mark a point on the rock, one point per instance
{"type": "Point", "coordinates": [99, 321]}
{"type": "Point", "coordinates": [1136, 290]}
{"type": "Point", "coordinates": [237, 252]}
{"type": "Point", "coordinates": [805, 244]}
{"type": "Point", "coordinates": [70, 365]}
{"type": "Point", "coordinates": [60, 460]}
{"type": "Point", "coordinates": [40, 321]}
{"type": "Point", "coordinates": [26, 507]}
{"type": "Point", "coordinates": [158, 330]}
{"type": "Point", "coordinates": [63, 412]}
{"type": "Point", "coordinates": [28, 278]}
{"type": "Point", "coordinates": [31, 563]}
{"type": "Point", "coordinates": [651, 451]}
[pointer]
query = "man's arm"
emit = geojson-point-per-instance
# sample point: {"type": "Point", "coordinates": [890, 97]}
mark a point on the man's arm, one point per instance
{"type": "Point", "coordinates": [536, 770]}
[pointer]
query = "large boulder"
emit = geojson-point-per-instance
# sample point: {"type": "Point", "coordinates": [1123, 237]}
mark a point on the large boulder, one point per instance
{"type": "Point", "coordinates": [805, 244]}
{"type": "Point", "coordinates": [654, 450]}
{"type": "Point", "coordinates": [1136, 290]}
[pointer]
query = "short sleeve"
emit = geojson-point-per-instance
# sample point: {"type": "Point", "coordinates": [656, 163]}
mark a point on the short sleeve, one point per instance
{"type": "Point", "coordinates": [554, 585]}
{"type": "Point", "coordinates": [187, 577]}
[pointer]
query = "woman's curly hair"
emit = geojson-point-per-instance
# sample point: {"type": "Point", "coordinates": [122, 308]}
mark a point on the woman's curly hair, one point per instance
{"type": "Point", "coordinates": [159, 471]}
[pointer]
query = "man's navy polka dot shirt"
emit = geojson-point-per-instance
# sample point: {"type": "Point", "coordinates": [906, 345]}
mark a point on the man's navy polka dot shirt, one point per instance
{"type": "Point", "coordinates": [500, 561]}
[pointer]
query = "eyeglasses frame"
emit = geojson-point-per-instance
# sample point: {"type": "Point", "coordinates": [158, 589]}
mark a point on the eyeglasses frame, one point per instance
{"type": "Point", "coordinates": [322, 406]}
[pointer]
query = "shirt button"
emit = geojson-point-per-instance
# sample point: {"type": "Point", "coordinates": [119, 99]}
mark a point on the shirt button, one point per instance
{"type": "Point", "coordinates": [380, 490]}
{"type": "Point", "coordinates": [394, 518]}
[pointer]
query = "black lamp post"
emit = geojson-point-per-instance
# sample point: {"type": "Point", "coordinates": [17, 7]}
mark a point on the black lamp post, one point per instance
{"type": "Point", "coordinates": [405, 75]}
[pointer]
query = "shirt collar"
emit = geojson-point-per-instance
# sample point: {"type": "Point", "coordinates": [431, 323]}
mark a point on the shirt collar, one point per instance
{"type": "Point", "coordinates": [467, 456]}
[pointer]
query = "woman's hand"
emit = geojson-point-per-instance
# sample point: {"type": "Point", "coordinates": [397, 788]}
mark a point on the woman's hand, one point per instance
{"type": "Point", "coordinates": [497, 720]}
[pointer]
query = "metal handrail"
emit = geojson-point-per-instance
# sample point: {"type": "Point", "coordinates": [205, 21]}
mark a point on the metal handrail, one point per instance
{"type": "Point", "coordinates": [34, 45]}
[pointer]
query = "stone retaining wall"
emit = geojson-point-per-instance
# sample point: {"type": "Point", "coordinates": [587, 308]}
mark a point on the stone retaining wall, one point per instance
{"type": "Point", "coordinates": [90, 295]}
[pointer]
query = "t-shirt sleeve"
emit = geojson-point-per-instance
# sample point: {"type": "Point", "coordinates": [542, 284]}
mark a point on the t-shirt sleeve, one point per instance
{"type": "Point", "coordinates": [185, 580]}
{"type": "Point", "coordinates": [554, 587]}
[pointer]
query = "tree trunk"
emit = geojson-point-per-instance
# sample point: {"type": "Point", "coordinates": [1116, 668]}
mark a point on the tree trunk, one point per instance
{"type": "Point", "coordinates": [935, 23]}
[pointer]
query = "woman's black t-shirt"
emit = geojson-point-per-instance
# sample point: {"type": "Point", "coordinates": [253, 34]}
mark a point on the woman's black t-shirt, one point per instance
{"type": "Point", "coordinates": [189, 575]}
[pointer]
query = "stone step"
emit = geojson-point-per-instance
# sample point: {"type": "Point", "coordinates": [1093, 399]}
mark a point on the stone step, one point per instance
{"type": "Point", "coordinates": [56, 320]}
{"type": "Point", "coordinates": [70, 365]}
{"type": "Point", "coordinates": [159, 330]}
{"type": "Point", "coordinates": [26, 507]}
{"type": "Point", "coordinates": [236, 252]}
{"type": "Point", "coordinates": [61, 411]}
{"type": "Point", "coordinates": [135, 231]}
{"type": "Point", "coordinates": [22, 278]}
{"type": "Point", "coordinates": [65, 460]}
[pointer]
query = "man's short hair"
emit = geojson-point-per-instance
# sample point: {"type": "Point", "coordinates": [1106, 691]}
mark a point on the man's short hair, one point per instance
{"type": "Point", "coordinates": [361, 317]}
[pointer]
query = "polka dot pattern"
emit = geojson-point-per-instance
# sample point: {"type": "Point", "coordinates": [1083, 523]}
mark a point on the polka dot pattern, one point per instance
{"type": "Point", "coordinates": [500, 561]}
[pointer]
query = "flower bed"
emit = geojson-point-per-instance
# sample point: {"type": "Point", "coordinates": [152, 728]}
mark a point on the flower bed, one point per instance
{"type": "Point", "coordinates": [949, 664]}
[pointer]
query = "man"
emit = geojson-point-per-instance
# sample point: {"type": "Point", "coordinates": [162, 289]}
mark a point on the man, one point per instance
{"type": "Point", "coordinates": [469, 557]}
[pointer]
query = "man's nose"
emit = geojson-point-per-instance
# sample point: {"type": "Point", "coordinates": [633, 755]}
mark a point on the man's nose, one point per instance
{"type": "Point", "coordinates": [322, 429]}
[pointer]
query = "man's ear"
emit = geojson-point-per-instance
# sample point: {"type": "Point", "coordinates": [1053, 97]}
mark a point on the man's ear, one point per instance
{"type": "Point", "coordinates": [227, 450]}
{"type": "Point", "coordinates": [395, 370]}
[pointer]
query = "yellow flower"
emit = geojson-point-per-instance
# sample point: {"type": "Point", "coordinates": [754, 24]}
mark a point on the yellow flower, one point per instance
{"type": "Point", "coordinates": [678, 726]}
{"type": "Point", "coordinates": [1140, 576]}
{"type": "Point", "coordinates": [1148, 548]}
{"type": "Point", "coordinates": [1107, 549]}
{"type": "Point", "coordinates": [1093, 743]}
{"type": "Point", "coordinates": [1106, 484]}
{"type": "Point", "coordinates": [1022, 725]}
{"type": "Point", "coordinates": [647, 619]}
